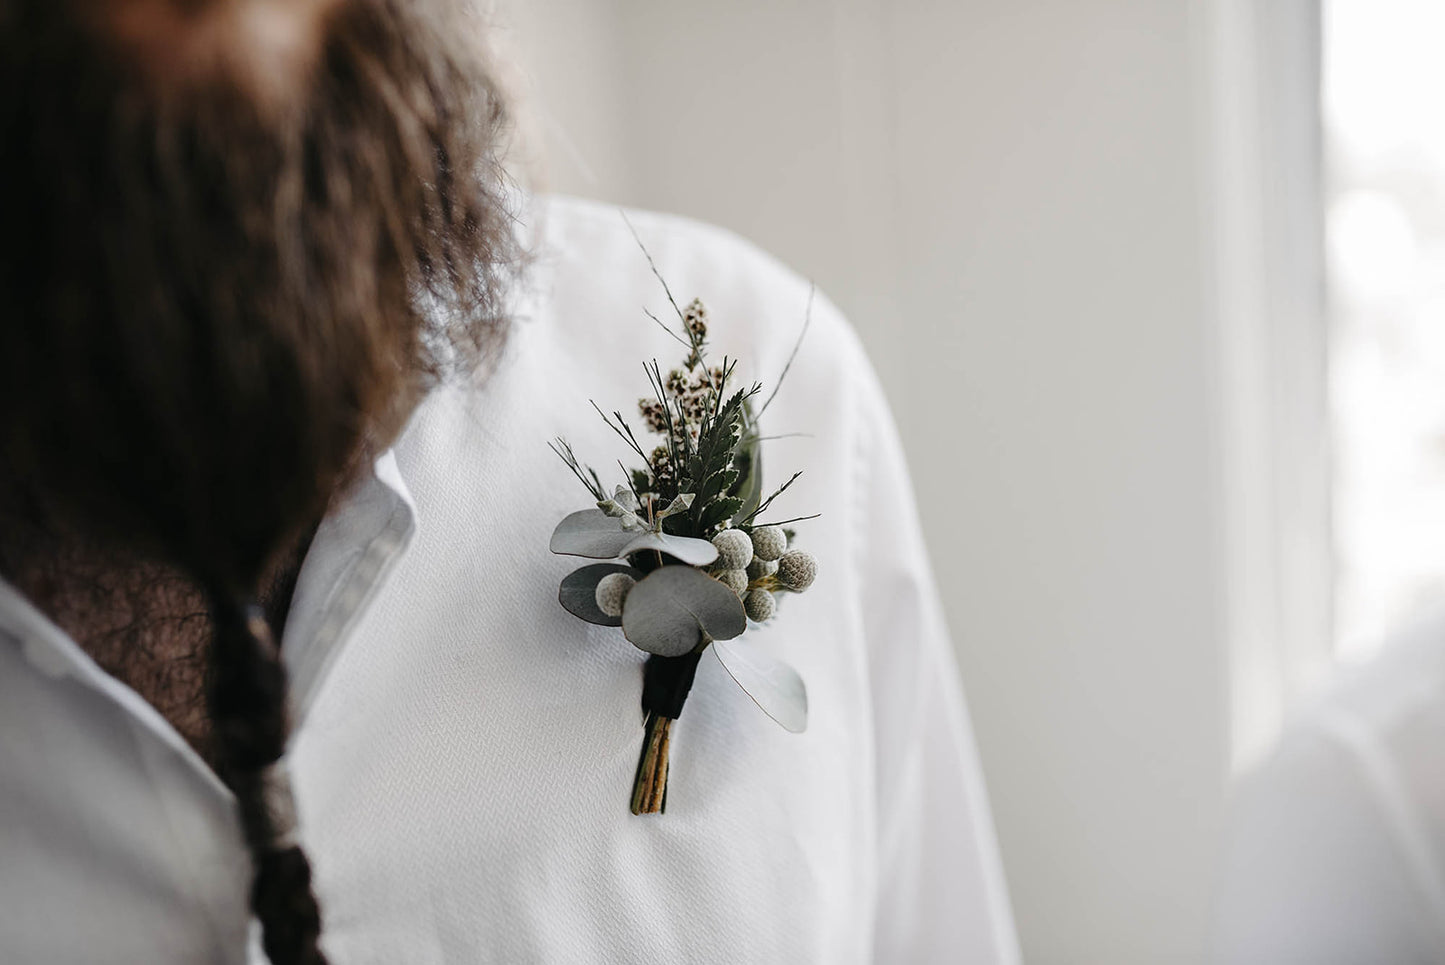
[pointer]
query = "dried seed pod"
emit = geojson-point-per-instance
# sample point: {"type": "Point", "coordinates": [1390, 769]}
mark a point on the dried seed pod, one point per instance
{"type": "Point", "coordinates": [797, 570]}
{"type": "Point", "coordinates": [612, 592]}
{"type": "Point", "coordinates": [734, 549]}
{"type": "Point", "coordinates": [769, 543]}
{"type": "Point", "coordinates": [760, 605]}
{"type": "Point", "coordinates": [758, 569]}
{"type": "Point", "coordinates": [735, 580]}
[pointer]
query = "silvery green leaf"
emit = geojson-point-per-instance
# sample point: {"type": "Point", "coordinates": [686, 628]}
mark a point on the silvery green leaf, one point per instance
{"type": "Point", "coordinates": [670, 610]}
{"type": "Point", "coordinates": [622, 505]}
{"type": "Point", "coordinates": [578, 592]}
{"type": "Point", "coordinates": [693, 552]}
{"type": "Point", "coordinates": [680, 504]}
{"type": "Point", "coordinates": [590, 533]}
{"type": "Point", "coordinates": [773, 685]}
{"type": "Point", "coordinates": [625, 498]}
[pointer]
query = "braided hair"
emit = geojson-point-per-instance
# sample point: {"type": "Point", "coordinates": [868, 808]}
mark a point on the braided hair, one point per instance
{"type": "Point", "coordinates": [247, 701]}
{"type": "Point", "coordinates": [216, 252]}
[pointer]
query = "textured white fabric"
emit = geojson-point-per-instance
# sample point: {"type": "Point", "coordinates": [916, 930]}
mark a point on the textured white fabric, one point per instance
{"type": "Point", "coordinates": [465, 748]}
{"type": "Point", "coordinates": [1337, 854]}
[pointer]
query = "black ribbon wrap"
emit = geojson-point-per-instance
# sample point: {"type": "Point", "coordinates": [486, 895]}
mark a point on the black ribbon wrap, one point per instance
{"type": "Point", "coordinates": [666, 682]}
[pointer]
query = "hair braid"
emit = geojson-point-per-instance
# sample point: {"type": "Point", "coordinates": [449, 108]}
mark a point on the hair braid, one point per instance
{"type": "Point", "coordinates": [231, 275]}
{"type": "Point", "coordinates": [247, 697]}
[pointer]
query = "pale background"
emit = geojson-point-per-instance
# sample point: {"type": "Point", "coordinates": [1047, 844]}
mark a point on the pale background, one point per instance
{"type": "Point", "coordinates": [1047, 219]}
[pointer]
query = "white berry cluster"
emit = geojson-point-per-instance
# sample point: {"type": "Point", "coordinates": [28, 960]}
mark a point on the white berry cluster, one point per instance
{"type": "Point", "coordinates": [757, 563]}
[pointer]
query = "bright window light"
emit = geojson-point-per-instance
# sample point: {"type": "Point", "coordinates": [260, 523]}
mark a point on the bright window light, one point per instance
{"type": "Point", "coordinates": [1384, 115]}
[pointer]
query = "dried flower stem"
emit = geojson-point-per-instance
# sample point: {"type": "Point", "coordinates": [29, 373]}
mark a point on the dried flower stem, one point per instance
{"type": "Point", "coordinates": [807, 320]}
{"type": "Point", "coordinates": [649, 789]}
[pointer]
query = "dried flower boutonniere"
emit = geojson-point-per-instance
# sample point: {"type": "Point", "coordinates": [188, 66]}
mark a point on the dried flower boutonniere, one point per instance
{"type": "Point", "coordinates": [691, 559]}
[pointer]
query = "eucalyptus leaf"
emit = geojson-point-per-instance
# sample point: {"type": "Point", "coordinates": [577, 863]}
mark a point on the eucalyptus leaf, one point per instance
{"type": "Point", "coordinates": [623, 505]}
{"type": "Point", "coordinates": [680, 504]}
{"type": "Point", "coordinates": [590, 533]}
{"type": "Point", "coordinates": [630, 521]}
{"type": "Point", "coordinates": [773, 685]}
{"type": "Point", "coordinates": [693, 552]}
{"type": "Point", "coordinates": [669, 612]}
{"type": "Point", "coordinates": [578, 592]}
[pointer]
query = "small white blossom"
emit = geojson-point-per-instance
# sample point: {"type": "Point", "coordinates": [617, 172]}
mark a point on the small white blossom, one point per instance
{"type": "Point", "coordinates": [734, 549]}
{"type": "Point", "coordinates": [661, 465]}
{"type": "Point", "coordinates": [695, 318]}
{"type": "Point", "coordinates": [612, 592]}
{"type": "Point", "coordinates": [769, 542]}
{"type": "Point", "coordinates": [760, 605]}
{"type": "Point", "coordinates": [797, 570]}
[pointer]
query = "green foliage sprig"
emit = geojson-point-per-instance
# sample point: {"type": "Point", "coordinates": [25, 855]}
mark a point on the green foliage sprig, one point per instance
{"type": "Point", "coordinates": [689, 562]}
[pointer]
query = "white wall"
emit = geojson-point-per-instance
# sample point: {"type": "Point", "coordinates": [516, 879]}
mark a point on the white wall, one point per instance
{"type": "Point", "coordinates": [1008, 199]}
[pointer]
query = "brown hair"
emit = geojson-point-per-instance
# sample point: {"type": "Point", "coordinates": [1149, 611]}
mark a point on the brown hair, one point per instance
{"type": "Point", "coordinates": [222, 273]}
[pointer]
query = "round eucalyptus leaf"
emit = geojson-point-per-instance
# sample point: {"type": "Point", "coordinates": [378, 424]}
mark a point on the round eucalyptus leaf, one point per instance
{"type": "Point", "coordinates": [578, 592]}
{"type": "Point", "coordinates": [773, 685]}
{"type": "Point", "coordinates": [670, 610]}
{"type": "Point", "coordinates": [590, 533]}
{"type": "Point", "coordinates": [693, 552]}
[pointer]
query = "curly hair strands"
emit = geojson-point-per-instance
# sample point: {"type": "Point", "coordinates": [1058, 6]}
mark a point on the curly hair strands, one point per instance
{"type": "Point", "coordinates": [219, 239]}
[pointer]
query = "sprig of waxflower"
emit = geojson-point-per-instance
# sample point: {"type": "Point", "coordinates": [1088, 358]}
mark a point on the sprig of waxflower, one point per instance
{"type": "Point", "coordinates": [688, 564]}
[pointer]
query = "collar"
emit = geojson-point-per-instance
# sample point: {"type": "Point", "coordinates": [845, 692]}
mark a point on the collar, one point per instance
{"type": "Point", "coordinates": [354, 549]}
{"type": "Point", "coordinates": [362, 537]}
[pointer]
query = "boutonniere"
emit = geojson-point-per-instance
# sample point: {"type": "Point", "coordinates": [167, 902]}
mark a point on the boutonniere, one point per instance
{"type": "Point", "coordinates": [691, 557]}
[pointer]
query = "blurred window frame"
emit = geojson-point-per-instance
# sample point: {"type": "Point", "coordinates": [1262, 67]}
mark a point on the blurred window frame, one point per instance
{"type": "Point", "coordinates": [1268, 335]}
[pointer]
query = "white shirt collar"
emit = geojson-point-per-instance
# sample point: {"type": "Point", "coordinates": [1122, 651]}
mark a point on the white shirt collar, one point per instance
{"type": "Point", "coordinates": [356, 545]}
{"type": "Point", "coordinates": [354, 549]}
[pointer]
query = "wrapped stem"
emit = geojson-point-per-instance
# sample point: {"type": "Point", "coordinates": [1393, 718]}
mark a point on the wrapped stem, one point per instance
{"type": "Point", "coordinates": [665, 685]}
{"type": "Point", "coordinates": [649, 790]}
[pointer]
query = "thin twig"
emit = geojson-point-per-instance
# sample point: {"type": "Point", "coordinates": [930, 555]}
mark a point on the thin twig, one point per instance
{"type": "Point", "coordinates": [769, 501]}
{"type": "Point", "coordinates": [807, 320]}
{"type": "Point", "coordinates": [631, 439]}
{"type": "Point", "coordinates": [717, 396]}
{"type": "Point", "coordinates": [693, 342]}
{"type": "Point", "coordinates": [626, 436]}
{"type": "Point", "coordinates": [654, 376]}
{"type": "Point", "coordinates": [663, 325]}
{"type": "Point", "coordinates": [564, 451]}
{"type": "Point", "coordinates": [654, 379]}
{"type": "Point", "coordinates": [795, 519]}
{"type": "Point", "coordinates": [651, 264]}
{"type": "Point", "coordinates": [635, 494]}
